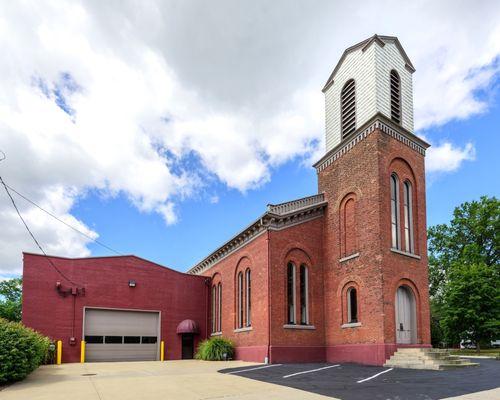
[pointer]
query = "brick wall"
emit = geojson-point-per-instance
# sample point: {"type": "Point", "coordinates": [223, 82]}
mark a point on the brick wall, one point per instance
{"type": "Point", "coordinates": [176, 295]}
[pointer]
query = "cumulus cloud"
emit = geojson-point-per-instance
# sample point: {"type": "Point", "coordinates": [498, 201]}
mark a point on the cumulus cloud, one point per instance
{"type": "Point", "coordinates": [117, 97]}
{"type": "Point", "coordinates": [447, 158]}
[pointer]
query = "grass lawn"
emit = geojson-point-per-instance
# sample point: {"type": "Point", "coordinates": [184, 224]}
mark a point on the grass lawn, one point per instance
{"type": "Point", "coordinates": [473, 352]}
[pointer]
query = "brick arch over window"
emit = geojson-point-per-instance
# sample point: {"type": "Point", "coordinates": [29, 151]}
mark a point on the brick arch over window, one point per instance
{"type": "Point", "coordinates": [407, 213]}
{"type": "Point", "coordinates": [351, 313]}
{"type": "Point", "coordinates": [298, 292]}
{"type": "Point", "coordinates": [242, 293]}
{"type": "Point", "coordinates": [348, 225]}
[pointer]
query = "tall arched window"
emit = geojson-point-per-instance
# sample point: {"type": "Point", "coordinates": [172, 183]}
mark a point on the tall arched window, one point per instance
{"type": "Point", "coordinates": [304, 295]}
{"type": "Point", "coordinates": [219, 308]}
{"type": "Point", "coordinates": [214, 309]}
{"type": "Point", "coordinates": [248, 297]}
{"type": "Point", "coordinates": [408, 213]}
{"type": "Point", "coordinates": [395, 212]}
{"type": "Point", "coordinates": [240, 300]}
{"type": "Point", "coordinates": [348, 108]}
{"type": "Point", "coordinates": [352, 305]}
{"type": "Point", "coordinates": [290, 290]}
{"type": "Point", "coordinates": [395, 97]}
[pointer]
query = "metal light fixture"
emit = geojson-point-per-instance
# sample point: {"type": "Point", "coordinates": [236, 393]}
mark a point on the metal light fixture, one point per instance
{"type": "Point", "coordinates": [131, 283]}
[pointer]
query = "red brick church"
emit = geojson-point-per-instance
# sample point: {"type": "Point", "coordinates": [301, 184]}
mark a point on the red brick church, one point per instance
{"type": "Point", "coordinates": [340, 276]}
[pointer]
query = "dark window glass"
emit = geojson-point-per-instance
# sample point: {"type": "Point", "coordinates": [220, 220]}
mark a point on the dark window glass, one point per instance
{"type": "Point", "coordinates": [240, 300]}
{"type": "Point", "coordinates": [132, 339]}
{"type": "Point", "coordinates": [303, 295]}
{"type": "Point", "coordinates": [395, 212]}
{"type": "Point", "coordinates": [94, 339]}
{"type": "Point", "coordinates": [291, 292]}
{"type": "Point", "coordinates": [148, 339]}
{"type": "Point", "coordinates": [113, 339]}
{"type": "Point", "coordinates": [249, 298]}
{"type": "Point", "coordinates": [353, 306]}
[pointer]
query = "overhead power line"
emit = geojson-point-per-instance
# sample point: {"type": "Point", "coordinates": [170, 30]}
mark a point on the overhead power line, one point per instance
{"type": "Point", "coordinates": [61, 221]}
{"type": "Point", "coordinates": [34, 238]}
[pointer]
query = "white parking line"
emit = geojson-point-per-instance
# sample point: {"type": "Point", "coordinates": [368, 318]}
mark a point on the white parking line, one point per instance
{"type": "Point", "coordinates": [253, 369]}
{"type": "Point", "coordinates": [311, 370]}
{"type": "Point", "coordinates": [374, 376]}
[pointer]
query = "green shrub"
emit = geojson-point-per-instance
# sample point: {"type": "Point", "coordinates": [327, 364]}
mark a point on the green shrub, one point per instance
{"type": "Point", "coordinates": [214, 349]}
{"type": "Point", "coordinates": [22, 350]}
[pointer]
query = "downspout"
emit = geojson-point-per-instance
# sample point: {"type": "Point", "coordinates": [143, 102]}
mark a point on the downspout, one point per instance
{"type": "Point", "coordinates": [269, 298]}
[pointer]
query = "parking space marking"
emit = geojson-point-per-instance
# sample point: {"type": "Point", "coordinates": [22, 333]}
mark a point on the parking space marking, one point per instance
{"type": "Point", "coordinates": [311, 370]}
{"type": "Point", "coordinates": [253, 369]}
{"type": "Point", "coordinates": [374, 376]}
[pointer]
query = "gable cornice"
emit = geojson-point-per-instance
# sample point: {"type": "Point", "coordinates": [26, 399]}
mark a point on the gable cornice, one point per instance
{"type": "Point", "coordinates": [378, 122]}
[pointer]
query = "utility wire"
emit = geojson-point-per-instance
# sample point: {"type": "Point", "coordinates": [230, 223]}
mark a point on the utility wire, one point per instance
{"type": "Point", "coordinates": [33, 236]}
{"type": "Point", "coordinates": [61, 221]}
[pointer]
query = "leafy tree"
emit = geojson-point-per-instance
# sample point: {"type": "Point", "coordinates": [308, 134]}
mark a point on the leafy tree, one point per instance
{"type": "Point", "coordinates": [471, 304]}
{"type": "Point", "coordinates": [10, 299]}
{"type": "Point", "coordinates": [464, 270]}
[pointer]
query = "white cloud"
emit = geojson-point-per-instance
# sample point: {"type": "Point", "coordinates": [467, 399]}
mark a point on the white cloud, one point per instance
{"type": "Point", "coordinates": [115, 96]}
{"type": "Point", "coordinates": [447, 158]}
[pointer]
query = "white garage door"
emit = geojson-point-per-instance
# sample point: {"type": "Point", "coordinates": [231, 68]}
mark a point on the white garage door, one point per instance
{"type": "Point", "coordinates": [114, 335]}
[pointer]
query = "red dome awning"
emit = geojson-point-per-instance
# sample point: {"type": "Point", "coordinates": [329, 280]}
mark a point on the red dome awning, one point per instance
{"type": "Point", "coordinates": [188, 326]}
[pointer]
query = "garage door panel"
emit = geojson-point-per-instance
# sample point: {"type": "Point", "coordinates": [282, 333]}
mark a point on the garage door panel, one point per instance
{"type": "Point", "coordinates": [115, 335]}
{"type": "Point", "coordinates": [121, 352]}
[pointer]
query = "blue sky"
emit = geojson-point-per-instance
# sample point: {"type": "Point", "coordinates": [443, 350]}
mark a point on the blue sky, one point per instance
{"type": "Point", "coordinates": [164, 127]}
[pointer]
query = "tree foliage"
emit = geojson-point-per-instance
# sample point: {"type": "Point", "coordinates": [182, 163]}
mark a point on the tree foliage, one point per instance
{"type": "Point", "coordinates": [10, 299]}
{"type": "Point", "coordinates": [464, 271]}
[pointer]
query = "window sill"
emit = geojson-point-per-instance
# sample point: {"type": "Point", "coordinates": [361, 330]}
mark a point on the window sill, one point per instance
{"type": "Point", "coordinates": [305, 327]}
{"type": "Point", "coordinates": [351, 325]}
{"type": "Point", "coordinates": [216, 334]}
{"type": "Point", "coordinates": [344, 259]}
{"type": "Point", "coordinates": [404, 253]}
{"type": "Point", "coordinates": [245, 329]}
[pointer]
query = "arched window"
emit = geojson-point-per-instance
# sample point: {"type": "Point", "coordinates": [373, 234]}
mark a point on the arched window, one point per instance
{"type": "Point", "coordinates": [219, 308]}
{"type": "Point", "coordinates": [348, 108]}
{"type": "Point", "coordinates": [395, 212]}
{"type": "Point", "coordinates": [352, 305]}
{"type": "Point", "coordinates": [348, 236]}
{"type": "Point", "coordinates": [214, 309]}
{"type": "Point", "coordinates": [240, 300]}
{"type": "Point", "coordinates": [249, 297]}
{"type": "Point", "coordinates": [408, 213]}
{"type": "Point", "coordinates": [304, 295]}
{"type": "Point", "coordinates": [290, 291]}
{"type": "Point", "coordinates": [395, 97]}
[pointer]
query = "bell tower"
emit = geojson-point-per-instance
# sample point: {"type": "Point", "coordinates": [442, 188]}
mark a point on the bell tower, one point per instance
{"type": "Point", "coordinates": [373, 178]}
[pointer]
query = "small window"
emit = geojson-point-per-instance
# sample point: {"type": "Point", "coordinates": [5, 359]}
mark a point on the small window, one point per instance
{"type": "Point", "coordinates": [304, 294]}
{"type": "Point", "coordinates": [131, 339]}
{"type": "Point", "coordinates": [249, 297]}
{"type": "Point", "coordinates": [348, 108]}
{"type": "Point", "coordinates": [113, 339]}
{"type": "Point", "coordinates": [149, 339]}
{"type": "Point", "coordinates": [395, 97]}
{"type": "Point", "coordinates": [219, 311]}
{"type": "Point", "coordinates": [408, 213]}
{"type": "Point", "coordinates": [94, 339]}
{"type": "Point", "coordinates": [291, 293]}
{"type": "Point", "coordinates": [352, 305]}
{"type": "Point", "coordinates": [240, 300]}
{"type": "Point", "coordinates": [395, 212]}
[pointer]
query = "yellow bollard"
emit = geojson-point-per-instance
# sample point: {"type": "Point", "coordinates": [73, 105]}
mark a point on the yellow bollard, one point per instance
{"type": "Point", "coordinates": [82, 351]}
{"type": "Point", "coordinates": [59, 352]}
{"type": "Point", "coordinates": [162, 351]}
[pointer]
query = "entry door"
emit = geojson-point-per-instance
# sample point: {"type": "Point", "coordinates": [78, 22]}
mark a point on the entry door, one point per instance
{"type": "Point", "coordinates": [187, 346]}
{"type": "Point", "coordinates": [403, 316]}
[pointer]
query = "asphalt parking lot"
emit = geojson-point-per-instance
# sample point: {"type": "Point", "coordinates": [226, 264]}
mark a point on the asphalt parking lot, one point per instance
{"type": "Point", "coordinates": [355, 382]}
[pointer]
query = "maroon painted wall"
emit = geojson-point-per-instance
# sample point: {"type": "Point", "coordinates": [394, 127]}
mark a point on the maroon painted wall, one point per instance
{"type": "Point", "coordinates": [176, 295]}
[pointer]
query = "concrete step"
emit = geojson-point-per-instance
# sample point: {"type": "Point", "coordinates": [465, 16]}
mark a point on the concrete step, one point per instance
{"type": "Point", "coordinates": [426, 358]}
